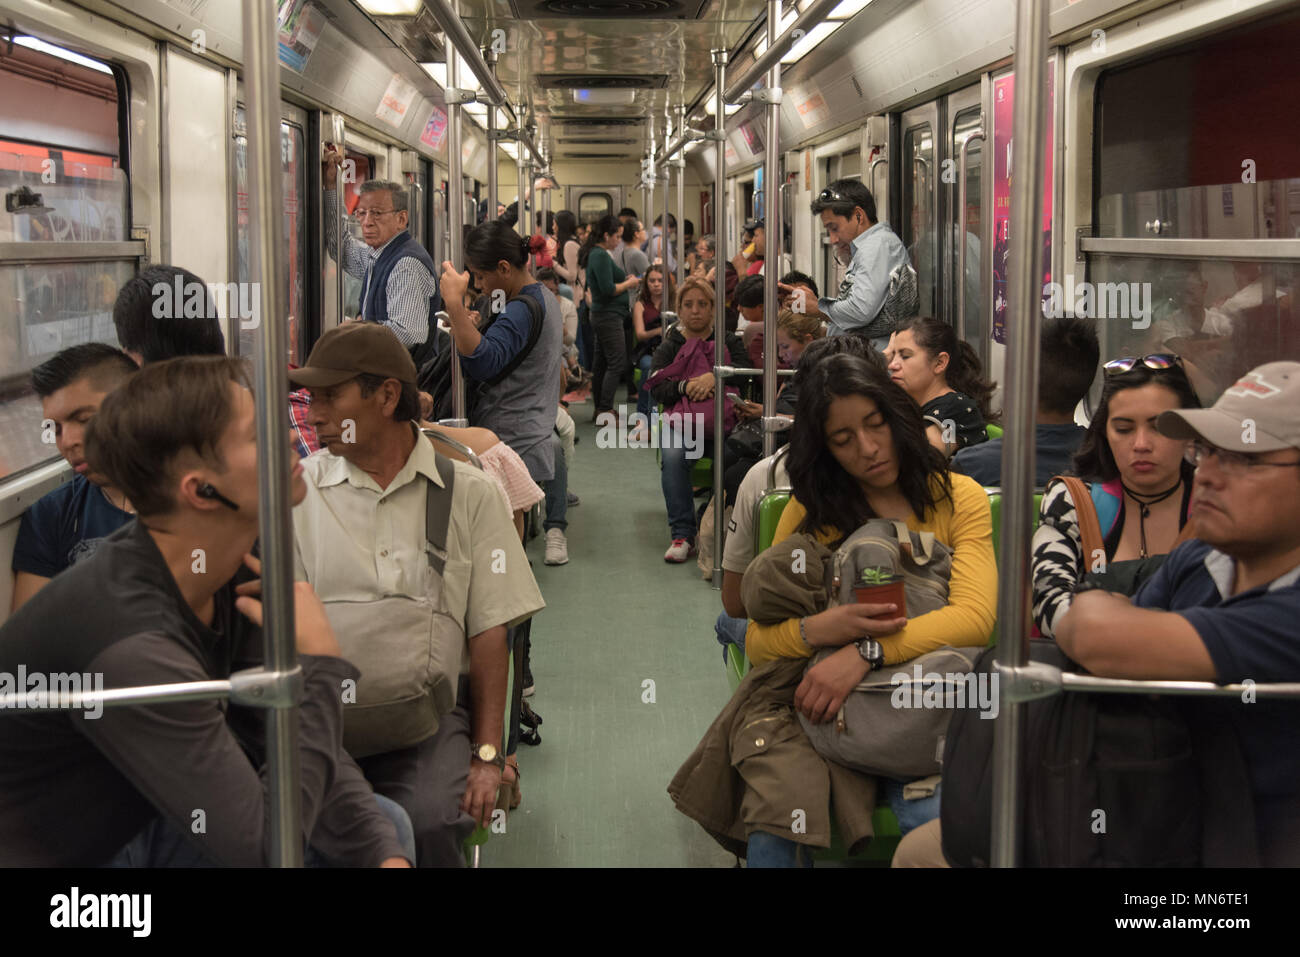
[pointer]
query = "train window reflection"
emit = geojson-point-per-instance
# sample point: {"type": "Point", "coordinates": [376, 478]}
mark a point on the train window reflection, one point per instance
{"type": "Point", "coordinates": [918, 213]}
{"type": "Point", "coordinates": [294, 188]}
{"type": "Point", "coordinates": [1163, 160]}
{"type": "Point", "coordinates": [60, 195]}
{"type": "Point", "coordinates": [45, 308]}
{"type": "Point", "coordinates": [1223, 317]}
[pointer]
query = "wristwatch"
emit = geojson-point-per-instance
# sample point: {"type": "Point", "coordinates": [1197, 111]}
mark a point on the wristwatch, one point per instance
{"type": "Point", "coordinates": [872, 653]}
{"type": "Point", "coordinates": [488, 754]}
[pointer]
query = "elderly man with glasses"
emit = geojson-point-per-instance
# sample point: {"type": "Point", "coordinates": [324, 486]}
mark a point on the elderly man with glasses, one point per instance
{"type": "Point", "coordinates": [398, 284]}
{"type": "Point", "coordinates": [880, 286]}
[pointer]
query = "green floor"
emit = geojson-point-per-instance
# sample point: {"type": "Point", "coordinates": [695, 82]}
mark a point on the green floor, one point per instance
{"type": "Point", "coordinates": [617, 617]}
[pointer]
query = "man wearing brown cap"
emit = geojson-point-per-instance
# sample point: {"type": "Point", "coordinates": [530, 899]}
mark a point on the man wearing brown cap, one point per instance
{"type": "Point", "coordinates": [1225, 606]}
{"type": "Point", "coordinates": [363, 544]}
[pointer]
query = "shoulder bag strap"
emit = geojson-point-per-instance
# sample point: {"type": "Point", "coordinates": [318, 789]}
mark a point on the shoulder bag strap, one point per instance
{"type": "Point", "coordinates": [437, 513]}
{"type": "Point", "coordinates": [1089, 526]}
{"type": "Point", "coordinates": [537, 318]}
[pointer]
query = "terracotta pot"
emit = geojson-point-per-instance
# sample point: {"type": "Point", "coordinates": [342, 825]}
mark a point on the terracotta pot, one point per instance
{"type": "Point", "coordinates": [888, 594]}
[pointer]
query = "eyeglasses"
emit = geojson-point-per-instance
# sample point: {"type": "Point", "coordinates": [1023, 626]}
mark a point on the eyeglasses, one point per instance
{"type": "Point", "coordinates": [1232, 464]}
{"type": "Point", "coordinates": [361, 215]}
{"type": "Point", "coordinates": [1160, 361]}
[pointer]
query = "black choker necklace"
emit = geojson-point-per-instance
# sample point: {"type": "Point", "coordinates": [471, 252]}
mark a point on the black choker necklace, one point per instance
{"type": "Point", "coordinates": [1145, 501]}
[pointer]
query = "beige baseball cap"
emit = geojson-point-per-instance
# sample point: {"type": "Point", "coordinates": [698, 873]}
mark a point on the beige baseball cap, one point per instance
{"type": "Point", "coordinates": [1260, 413]}
{"type": "Point", "coordinates": [351, 349]}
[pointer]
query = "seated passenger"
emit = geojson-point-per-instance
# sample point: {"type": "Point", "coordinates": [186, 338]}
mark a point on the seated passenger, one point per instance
{"type": "Point", "coordinates": [68, 524]}
{"type": "Point", "coordinates": [1140, 483]}
{"type": "Point", "coordinates": [741, 543]}
{"type": "Point", "coordinates": [800, 293]}
{"type": "Point", "coordinates": [361, 537]}
{"type": "Point", "coordinates": [860, 452]}
{"type": "Point", "coordinates": [156, 604]}
{"type": "Point", "coordinates": [1224, 607]}
{"type": "Point", "coordinates": [943, 376]}
{"type": "Point", "coordinates": [1067, 364]}
{"type": "Point", "coordinates": [679, 437]}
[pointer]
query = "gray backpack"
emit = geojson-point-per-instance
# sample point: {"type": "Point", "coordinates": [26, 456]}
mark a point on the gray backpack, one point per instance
{"type": "Point", "coordinates": [903, 301]}
{"type": "Point", "coordinates": [880, 729]}
{"type": "Point", "coordinates": [408, 650]}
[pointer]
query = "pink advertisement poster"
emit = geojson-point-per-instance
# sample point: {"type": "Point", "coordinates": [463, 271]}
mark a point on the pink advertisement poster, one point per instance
{"type": "Point", "coordinates": [1003, 164]}
{"type": "Point", "coordinates": [435, 129]}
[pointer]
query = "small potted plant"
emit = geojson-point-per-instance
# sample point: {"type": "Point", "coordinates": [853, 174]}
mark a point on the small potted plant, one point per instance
{"type": "Point", "coordinates": [880, 586]}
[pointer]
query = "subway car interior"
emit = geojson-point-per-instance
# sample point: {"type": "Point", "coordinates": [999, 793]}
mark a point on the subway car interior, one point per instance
{"type": "Point", "coordinates": [562, 202]}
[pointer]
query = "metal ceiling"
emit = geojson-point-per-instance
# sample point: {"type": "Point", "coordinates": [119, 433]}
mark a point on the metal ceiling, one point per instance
{"type": "Point", "coordinates": [657, 50]}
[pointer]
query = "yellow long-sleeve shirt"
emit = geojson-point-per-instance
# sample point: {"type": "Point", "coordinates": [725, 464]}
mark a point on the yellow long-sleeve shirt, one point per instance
{"type": "Point", "coordinates": [966, 526]}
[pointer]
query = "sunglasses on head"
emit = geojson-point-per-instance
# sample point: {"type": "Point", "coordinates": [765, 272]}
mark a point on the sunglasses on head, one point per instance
{"type": "Point", "coordinates": [1160, 361]}
{"type": "Point", "coordinates": [829, 195]}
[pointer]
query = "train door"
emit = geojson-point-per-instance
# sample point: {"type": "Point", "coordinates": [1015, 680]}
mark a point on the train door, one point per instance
{"type": "Point", "coordinates": [920, 219]}
{"type": "Point", "coordinates": [293, 158]}
{"type": "Point", "coordinates": [963, 284]}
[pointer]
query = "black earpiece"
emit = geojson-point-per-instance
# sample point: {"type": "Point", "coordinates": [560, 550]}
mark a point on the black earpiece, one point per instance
{"type": "Point", "coordinates": [206, 490]}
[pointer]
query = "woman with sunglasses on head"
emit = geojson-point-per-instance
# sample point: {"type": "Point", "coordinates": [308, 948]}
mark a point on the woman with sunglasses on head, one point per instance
{"type": "Point", "coordinates": [1139, 481]}
{"type": "Point", "coordinates": [943, 376]}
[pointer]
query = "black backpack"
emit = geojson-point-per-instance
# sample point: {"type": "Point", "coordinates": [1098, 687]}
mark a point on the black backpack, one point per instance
{"type": "Point", "coordinates": [435, 376]}
{"type": "Point", "coordinates": [1110, 780]}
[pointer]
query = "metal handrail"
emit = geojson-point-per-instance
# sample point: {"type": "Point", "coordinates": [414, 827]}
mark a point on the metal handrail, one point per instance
{"type": "Point", "coordinates": [1021, 395]}
{"type": "Point", "coordinates": [446, 439]}
{"type": "Point", "coordinates": [778, 47]}
{"type": "Point", "coordinates": [719, 287]}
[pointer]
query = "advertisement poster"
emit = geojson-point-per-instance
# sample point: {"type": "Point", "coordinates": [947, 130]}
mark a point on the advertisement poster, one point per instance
{"type": "Point", "coordinates": [397, 100]}
{"type": "Point", "coordinates": [435, 129]}
{"type": "Point", "coordinates": [752, 138]}
{"type": "Point", "coordinates": [300, 24]}
{"type": "Point", "coordinates": [1003, 165]}
{"type": "Point", "coordinates": [813, 110]}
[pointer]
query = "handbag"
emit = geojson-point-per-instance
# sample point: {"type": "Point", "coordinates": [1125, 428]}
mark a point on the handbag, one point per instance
{"type": "Point", "coordinates": [408, 650]}
{"type": "Point", "coordinates": [893, 723]}
{"type": "Point", "coordinates": [694, 358]}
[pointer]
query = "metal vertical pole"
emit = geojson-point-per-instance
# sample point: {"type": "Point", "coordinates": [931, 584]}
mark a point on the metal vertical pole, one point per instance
{"type": "Point", "coordinates": [1020, 401]}
{"type": "Point", "coordinates": [340, 135]}
{"type": "Point", "coordinates": [771, 230]}
{"type": "Point", "coordinates": [492, 190]}
{"type": "Point", "coordinates": [668, 195]}
{"type": "Point", "coordinates": [719, 136]}
{"type": "Point", "coordinates": [521, 172]}
{"type": "Point", "coordinates": [680, 164]}
{"type": "Point", "coordinates": [455, 216]}
{"type": "Point", "coordinates": [266, 204]}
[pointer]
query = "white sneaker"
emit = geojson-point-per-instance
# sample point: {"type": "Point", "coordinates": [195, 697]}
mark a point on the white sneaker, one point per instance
{"type": "Point", "coordinates": [679, 551]}
{"type": "Point", "coordinates": [557, 548]}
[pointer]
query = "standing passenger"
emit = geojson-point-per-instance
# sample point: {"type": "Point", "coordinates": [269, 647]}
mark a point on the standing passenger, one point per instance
{"type": "Point", "coordinates": [609, 310]}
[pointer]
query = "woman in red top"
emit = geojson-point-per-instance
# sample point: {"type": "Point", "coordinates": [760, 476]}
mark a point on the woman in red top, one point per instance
{"type": "Point", "coordinates": [647, 326]}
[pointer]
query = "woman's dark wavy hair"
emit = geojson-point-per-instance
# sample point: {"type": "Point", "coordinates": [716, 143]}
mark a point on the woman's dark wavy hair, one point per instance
{"type": "Point", "coordinates": [833, 498]}
{"type": "Point", "coordinates": [566, 228]}
{"type": "Point", "coordinates": [599, 230]}
{"type": "Point", "coordinates": [1094, 460]}
{"type": "Point", "coordinates": [964, 372]}
{"type": "Point", "coordinates": [494, 242]}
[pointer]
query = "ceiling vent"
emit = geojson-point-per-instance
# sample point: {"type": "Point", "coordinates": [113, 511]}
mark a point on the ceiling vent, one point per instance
{"type": "Point", "coordinates": [586, 123]}
{"type": "Point", "coordinates": [594, 156]}
{"type": "Point", "coordinates": [601, 81]}
{"type": "Point", "coordinates": [593, 141]}
{"type": "Point", "coordinates": [609, 9]}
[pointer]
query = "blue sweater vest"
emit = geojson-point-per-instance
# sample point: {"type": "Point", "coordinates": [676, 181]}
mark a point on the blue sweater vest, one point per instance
{"type": "Point", "coordinates": [375, 307]}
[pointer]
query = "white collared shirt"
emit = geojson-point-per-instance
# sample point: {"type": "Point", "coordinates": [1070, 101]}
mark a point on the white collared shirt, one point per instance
{"type": "Point", "coordinates": [357, 542]}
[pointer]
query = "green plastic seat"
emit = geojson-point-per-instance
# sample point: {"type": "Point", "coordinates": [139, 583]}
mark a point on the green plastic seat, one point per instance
{"type": "Point", "coordinates": [995, 509]}
{"type": "Point", "coordinates": [993, 431]}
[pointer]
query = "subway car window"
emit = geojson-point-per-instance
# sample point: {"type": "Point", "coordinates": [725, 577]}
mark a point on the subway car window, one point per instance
{"type": "Point", "coordinates": [1201, 143]}
{"type": "Point", "coordinates": [918, 214]}
{"type": "Point", "coordinates": [592, 206]}
{"type": "Point", "coordinates": [294, 188]}
{"type": "Point", "coordinates": [965, 124]}
{"type": "Point", "coordinates": [61, 176]}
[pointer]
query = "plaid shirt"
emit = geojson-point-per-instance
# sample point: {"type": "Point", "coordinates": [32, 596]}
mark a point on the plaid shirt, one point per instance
{"type": "Point", "coordinates": [304, 436]}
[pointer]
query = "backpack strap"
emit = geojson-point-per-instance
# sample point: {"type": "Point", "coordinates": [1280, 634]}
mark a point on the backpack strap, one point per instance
{"type": "Point", "coordinates": [537, 318]}
{"type": "Point", "coordinates": [1089, 526]}
{"type": "Point", "coordinates": [919, 549]}
{"type": "Point", "coordinates": [437, 513]}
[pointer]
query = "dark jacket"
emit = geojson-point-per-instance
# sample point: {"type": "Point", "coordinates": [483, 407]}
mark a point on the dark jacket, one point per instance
{"type": "Point", "coordinates": [755, 764]}
{"type": "Point", "coordinates": [668, 392]}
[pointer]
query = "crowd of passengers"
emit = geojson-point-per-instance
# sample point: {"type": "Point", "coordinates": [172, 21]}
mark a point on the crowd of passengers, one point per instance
{"type": "Point", "coordinates": [1198, 509]}
{"type": "Point", "coordinates": [144, 568]}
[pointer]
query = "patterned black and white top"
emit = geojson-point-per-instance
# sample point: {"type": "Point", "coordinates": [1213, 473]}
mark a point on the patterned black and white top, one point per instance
{"type": "Point", "coordinates": [1057, 556]}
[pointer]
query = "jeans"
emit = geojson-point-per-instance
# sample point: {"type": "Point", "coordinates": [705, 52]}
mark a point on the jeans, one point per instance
{"type": "Point", "coordinates": [643, 401]}
{"type": "Point", "coordinates": [768, 850]}
{"type": "Point", "coordinates": [557, 490]}
{"type": "Point", "coordinates": [675, 477]}
{"type": "Point", "coordinates": [611, 358]}
{"type": "Point", "coordinates": [585, 340]}
{"type": "Point", "coordinates": [730, 631]}
{"type": "Point", "coordinates": [162, 844]}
